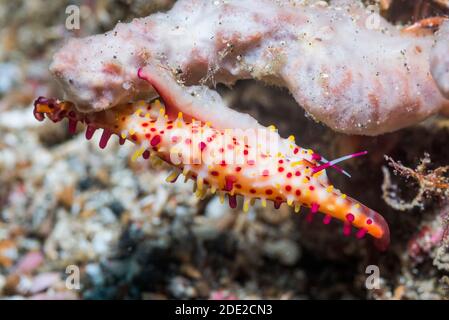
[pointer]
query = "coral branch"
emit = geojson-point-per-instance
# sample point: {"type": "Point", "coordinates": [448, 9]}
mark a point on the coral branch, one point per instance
{"type": "Point", "coordinates": [355, 76]}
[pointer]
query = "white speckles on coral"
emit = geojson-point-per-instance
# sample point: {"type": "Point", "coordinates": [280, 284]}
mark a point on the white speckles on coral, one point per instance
{"type": "Point", "coordinates": [353, 78]}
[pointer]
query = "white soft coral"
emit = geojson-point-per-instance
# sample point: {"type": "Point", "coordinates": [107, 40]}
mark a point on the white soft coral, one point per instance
{"type": "Point", "coordinates": [353, 76]}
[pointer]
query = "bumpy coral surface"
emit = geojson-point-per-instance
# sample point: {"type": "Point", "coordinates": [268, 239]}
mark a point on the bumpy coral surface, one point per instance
{"type": "Point", "coordinates": [344, 64]}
